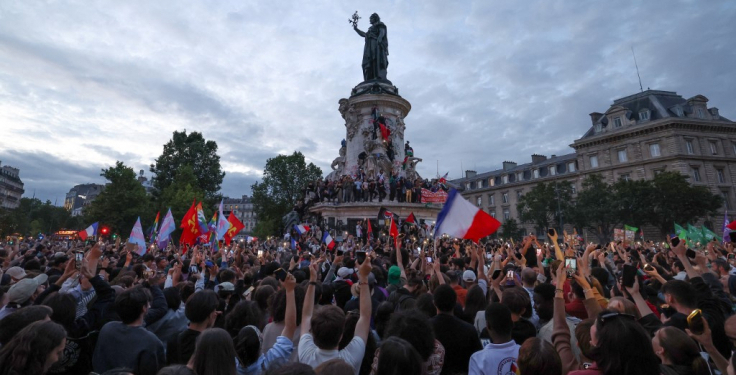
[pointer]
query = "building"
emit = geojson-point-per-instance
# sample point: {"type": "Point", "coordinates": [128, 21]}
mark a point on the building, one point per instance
{"type": "Point", "coordinates": [145, 182]}
{"type": "Point", "coordinates": [11, 187]}
{"type": "Point", "coordinates": [243, 209]}
{"type": "Point", "coordinates": [637, 137]}
{"type": "Point", "coordinates": [80, 196]}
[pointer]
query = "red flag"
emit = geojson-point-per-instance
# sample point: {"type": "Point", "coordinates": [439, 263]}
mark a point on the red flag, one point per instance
{"type": "Point", "coordinates": [394, 232]}
{"type": "Point", "coordinates": [385, 132]}
{"type": "Point", "coordinates": [189, 226]}
{"type": "Point", "coordinates": [235, 227]}
{"type": "Point", "coordinates": [411, 219]}
{"type": "Point", "coordinates": [731, 225]}
{"type": "Point", "coordinates": [370, 229]}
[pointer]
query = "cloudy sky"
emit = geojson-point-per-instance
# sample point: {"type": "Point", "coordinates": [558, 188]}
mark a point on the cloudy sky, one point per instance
{"type": "Point", "coordinates": [83, 84]}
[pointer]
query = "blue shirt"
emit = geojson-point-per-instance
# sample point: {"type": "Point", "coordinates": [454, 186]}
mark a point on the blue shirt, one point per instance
{"type": "Point", "coordinates": [280, 351]}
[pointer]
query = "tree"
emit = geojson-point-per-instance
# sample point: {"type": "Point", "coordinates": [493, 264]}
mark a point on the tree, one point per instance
{"type": "Point", "coordinates": [33, 217]}
{"type": "Point", "coordinates": [511, 229]}
{"type": "Point", "coordinates": [676, 201]}
{"type": "Point", "coordinates": [179, 196]}
{"type": "Point", "coordinates": [189, 150]}
{"type": "Point", "coordinates": [121, 203]}
{"type": "Point", "coordinates": [284, 179]}
{"type": "Point", "coordinates": [544, 204]}
{"type": "Point", "coordinates": [596, 208]}
{"type": "Point", "coordinates": [634, 201]}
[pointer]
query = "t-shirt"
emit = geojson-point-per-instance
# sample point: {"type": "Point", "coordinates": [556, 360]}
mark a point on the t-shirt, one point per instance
{"type": "Point", "coordinates": [495, 359]}
{"type": "Point", "coordinates": [310, 354]}
{"type": "Point", "coordinates": [120, 345]}
{"type": "Point", "coordinates": [181, 348]}
{"type": "Point", "coordinates": [280, 352]}
{"type": "Point", "coordinates": [459, 339]}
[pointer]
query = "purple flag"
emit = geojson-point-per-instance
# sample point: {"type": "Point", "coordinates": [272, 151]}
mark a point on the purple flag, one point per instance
{"type": "Point", "coordinates": [726, 231]}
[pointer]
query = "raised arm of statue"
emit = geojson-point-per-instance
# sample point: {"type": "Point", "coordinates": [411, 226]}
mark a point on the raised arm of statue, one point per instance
{"type": "Point", "coordinates": [381, 34]}
{"type": "Point", "coordinates": [357, 30]}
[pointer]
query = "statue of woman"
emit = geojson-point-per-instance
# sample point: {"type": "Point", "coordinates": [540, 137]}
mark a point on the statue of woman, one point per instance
{"type": "Point", "coordinates": [375, 52]}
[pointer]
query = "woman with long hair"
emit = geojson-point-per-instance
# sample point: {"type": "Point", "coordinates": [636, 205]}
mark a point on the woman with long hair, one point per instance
{"type": "Point", "coordinates": [475, 301]}
{"type": "Point", "coordinates": [33, 350]}
{"type": "Point", "coordinates": [214, 353]}
{"type": "Point", "coordinates": [679, 354]}
{"type": "Point", "coordinates": [398, 357]}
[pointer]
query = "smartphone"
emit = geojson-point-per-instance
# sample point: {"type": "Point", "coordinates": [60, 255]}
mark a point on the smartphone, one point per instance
{"type": "Point", "coordinates": [208, 263]}
{"type": "Point", "coordinates": [675, 241]}
{"type": "Point", "coordinates": [429, 259]}
{"type": "Point", "coordinates": [731, 256]}
{"type": "Point", "coordinates": [510, 275]}
{"type": "Point", "coordinates": [667, 311]}
{"type": "Point", "coordinates": [690, 253]}
{"type": "Point", "coordinates": [539, 252]}
{"type": "Point", "coordinates": [248, 292]}
{"type": "Point", "coordinates": [193, 269]}
{"type": "Point", "coordinates": [551, 232]}
{"type": "Point", "coordinates": [280, 274]}
{"type": "Point", "coordinates": [695, 322]}
{"type": "Point", "coordinates": [598, 247]}
{"type": "Point", "coordinates": [148, 273]}
{"type": "Point", "coordinates": [571, 266]}
{"type": "Point", "coordinates": [648, 267]}
{"type": "Point", "coordinates": [629, 276]}
{"type": "Point", "coordinates": [78, 257]}
{"type": "Point", "coordinates": [360, 256]}
{"type": "Point", "coordinates": [732, 236]}
{"type": "Point", "coordinates": [260, 253]}
{"type": "Point", "coordinates": [496, 274]}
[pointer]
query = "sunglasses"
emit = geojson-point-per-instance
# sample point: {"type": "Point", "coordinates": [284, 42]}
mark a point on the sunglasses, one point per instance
{"type": "Point", "coordinates": [608, 316]}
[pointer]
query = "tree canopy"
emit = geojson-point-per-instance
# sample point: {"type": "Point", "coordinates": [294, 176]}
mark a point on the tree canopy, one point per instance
{"type": "Point", "coordinates": [284, 179]}
{"type": "Point", "coordinates": [34, 216]}
{"type": "Point", "coordinates": [194, 151]}
{"type": "Point", "coordinates": [544, 204]}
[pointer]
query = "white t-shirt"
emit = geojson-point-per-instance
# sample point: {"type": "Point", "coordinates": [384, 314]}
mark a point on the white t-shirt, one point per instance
{"type": "Point", "coordinates": [310, 354]}
{"type": "Point", "coordinates": [495, 359]}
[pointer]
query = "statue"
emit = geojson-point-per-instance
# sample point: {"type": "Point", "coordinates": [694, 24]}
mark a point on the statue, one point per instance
{"type": "Point", "coordinates": [375, 51]}
{"type": "Point", "coordinates": [338, 165]}
{"type": "Point", "coordinates": [352, 117]}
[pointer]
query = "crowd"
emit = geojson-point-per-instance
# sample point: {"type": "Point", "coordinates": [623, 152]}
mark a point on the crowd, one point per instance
{"type": "Point", "coordinates": [380, 307]}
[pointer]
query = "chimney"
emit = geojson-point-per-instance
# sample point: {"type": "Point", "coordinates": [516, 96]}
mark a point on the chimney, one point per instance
{"type": "Point", "coordinates": [509, 165]}
{"type": "Point", "coordinates": [470, 174]}
{"type": "Point", "coordinates": [595, 116]}
{"type": "Point", "coordinates": [536, 158]}
{"type": "Point", "coordinates": [553, 156]}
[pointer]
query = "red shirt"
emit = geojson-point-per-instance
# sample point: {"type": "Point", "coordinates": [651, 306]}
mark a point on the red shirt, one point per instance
{"type": "Point", "coordinates": [461, 294]}
{"type": "Point", "coordinates": [577, 309]}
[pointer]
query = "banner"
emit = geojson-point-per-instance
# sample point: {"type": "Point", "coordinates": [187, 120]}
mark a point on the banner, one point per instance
{"type": "Point", "coordinates": [618, 234]}
{"type": "Point", "coordinates": [429, 197]}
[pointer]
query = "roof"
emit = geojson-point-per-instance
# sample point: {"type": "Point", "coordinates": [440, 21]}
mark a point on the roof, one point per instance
{"type": "Point", "coordinates": [558, 159]}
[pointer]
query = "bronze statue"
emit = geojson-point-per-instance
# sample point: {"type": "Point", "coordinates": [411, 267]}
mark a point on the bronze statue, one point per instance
{"type": "Point", "coordinates": [375, 52]}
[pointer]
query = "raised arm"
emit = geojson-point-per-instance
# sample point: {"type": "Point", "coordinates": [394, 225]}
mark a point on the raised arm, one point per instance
{"type": "Point", "coordinates": [309, 299]}
{"type": "Point", "coordinates": [290, 319]}
{"type": "Point", "coordinates": [363, 327]}
{"type": "Point", "coordinates": [558, 253]}
{"type": "Point", "coordinates": [400, 261]}
{"type": "Point", "coordinates": [361, 33]}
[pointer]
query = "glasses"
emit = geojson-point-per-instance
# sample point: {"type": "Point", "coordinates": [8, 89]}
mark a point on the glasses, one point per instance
{"type": "Point", "coordinates": [608, 316]}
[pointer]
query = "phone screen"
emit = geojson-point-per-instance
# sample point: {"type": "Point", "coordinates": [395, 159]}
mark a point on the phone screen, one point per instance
{"type": "Point", "coordinates": [539, 252]}
{"type": "Point", "coordinates": [551, 232]}
{"type": "Point", "coordinates": [690, 253]}
{"type": "Point", "coordinates": [571, 265]}
{"type": "Point", "coordinates": [360, 256]}
{"type": "Point", "coordinates": [695, 322]}
{"type": "Point", "coordinates": [78, 257]}
{"type": "Point", "coordinates": [280, 274]}
{"type": "Point", "coordinates": [629, 276]}
{"type": "Point", "coordinates": [496, 274]}
{"type": "Point", "coordinates": [429, 259]}
{"type": "Point", "coordinates": [675, 241]}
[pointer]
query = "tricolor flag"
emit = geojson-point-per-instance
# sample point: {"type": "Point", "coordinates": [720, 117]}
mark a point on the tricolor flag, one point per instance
{"type": "Point", "coordinates": [136, 237]}
{"type": "Point", "coordinates": [91, 231]}
{"type": "Point", "coordinates": [301, 229]}
{"type": "Point", "coordinates": [726, 231]}
{"type": "Point", "coordinates": [327, 239]}
{"type": "Point", "coordinates": [167, 227]}
{"type": "Point", "coordinates": [462, 219]}
{"type": "Point", "coordinates": [223, 225]}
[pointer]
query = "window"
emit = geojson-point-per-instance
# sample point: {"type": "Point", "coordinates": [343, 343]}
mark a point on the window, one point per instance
{"type": "Point", "coordinates": [598, 128]}
{"type": "Point", "coordinates": [535, 173]}
{"type": "Point", "coordinates": [506, 179]}
{"type": "Point", "coordinates": [644, 115]}
{"type": "Point", "coordinates": [574, 190]}
{"type": "Point", "coordinates": [492, 181]}
{"type": "Point", "coordinates": [571, 167]}
{"type": "Point", "coordinates": [654, 150]}
{"type": "Point", "coordinates": [625, 177]}
{"type": "Point", "coordinates": [617, 122]}
{"type": "Point", "coordinates": [689, 147]}
{"type": "Point", "coordinates": [479, 201]}
{"type": "Point", "coordinates": [701, 113]}
{"type": "Point", "coordinates": [505, 198]}
{"type": "Point", "coordinates": [518, 194]}
{"type": "Point", "coordinates": [713, 148]}
{"type": "Point", "coordinates": [721, 176]}
{"type": "Point", "coordinates": [493, 214]}
{"type": "Point", "coordinates": [594, 161]}
{"type": "Point", "coordinates": [552, 170]}
{"type": "Point", "coordinates": [726, 201]}
{"type": "Point", "coordinates": [734, 147]}
{"type": "Point", "coordinates": [467, 186]}
{"type": "Point", "coordinates": [506, 214]}
{"type": "Point", "coordinates": [491, 200]}
{"type": "Point", "coordinates": [696, 174]}
{"type": "Point", "coordinates": [622, 156]}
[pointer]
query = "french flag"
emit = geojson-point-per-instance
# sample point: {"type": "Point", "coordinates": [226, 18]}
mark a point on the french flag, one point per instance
{"type": "Point", "coordinates": [461, 219]}
{"type": "Point", "coordinates": [301, 229]}
{"type": "Point", "coordinates": [89, 232]}
{"type": "Point", "coordinates": [327, 239]}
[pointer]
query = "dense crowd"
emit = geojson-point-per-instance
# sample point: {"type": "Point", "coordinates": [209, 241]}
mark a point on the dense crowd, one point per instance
{"type": "Point", "coordinates": [368, 306]}
{"type": "Point", "coordinates": [363, 188]}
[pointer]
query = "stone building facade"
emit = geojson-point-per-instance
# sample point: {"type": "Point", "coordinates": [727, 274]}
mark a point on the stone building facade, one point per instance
{"type": "Point", "coordinates": [243, 209]}
{"type": "Point", "coordinates": [11, 187]}
{"type": "Point", "coordinates": [80, 196]}
{"type": "Point", "coordinates": [637, 137]}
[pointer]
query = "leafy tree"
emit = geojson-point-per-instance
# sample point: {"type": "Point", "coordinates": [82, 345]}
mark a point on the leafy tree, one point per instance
{"type": "Point", "coordinates": [676, 201]}
{"type": "Point", "coordinates": [511, 229]}
{"type": "Point", "coordinates": [596, 208]}
{"type": "Point", "coordinates": [284, 179]}
{"type": "Point", "coordinates": [634, 201]}
{"type": "Point", "coordinates": [189, 150]}
{"type": "Point", "coordinates": [179, 196]}
{"type": "Point", "coordinates": [33, 217]}
{"type": "Point", "coordinates": [121, 203]}
{"type": "Point", "coordinates": [544, 204]}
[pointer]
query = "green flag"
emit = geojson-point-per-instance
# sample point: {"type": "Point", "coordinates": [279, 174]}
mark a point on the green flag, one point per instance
{"type": "Point", "coordinates": [708, 234]}
{"type": "Point", "coordinates": [680, 232]}
{"type": "Point", "coordinates": [630, 228]}
{"type": "Point", "coordinates": [694, 235]}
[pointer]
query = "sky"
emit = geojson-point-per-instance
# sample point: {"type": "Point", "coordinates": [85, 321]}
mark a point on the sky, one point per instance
{"type": "Point", "coordinates": [84, 84]}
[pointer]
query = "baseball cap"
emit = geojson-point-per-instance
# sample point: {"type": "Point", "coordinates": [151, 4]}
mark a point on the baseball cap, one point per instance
{"type": "Point", "coordinates": [16, 273]}
{"type": "Point", "coordinates": [468, 276]}
{"type": "Point", "coordinates": [344, 272]}
{"type": "Point", "coordinates": [227, 287]}
{"type": "Point", "coordinates": [21, 291]}
{"type": "Point", "coordinates": [394, 275]}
